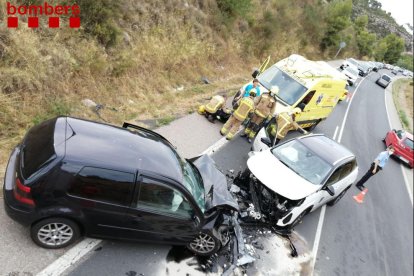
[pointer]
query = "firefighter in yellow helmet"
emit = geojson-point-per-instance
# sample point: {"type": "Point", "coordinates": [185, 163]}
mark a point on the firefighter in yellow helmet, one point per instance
{"type": "Point", "coordinates": [265, 106]}
{"type": "Point", "coordinates": [215, 108]}
{"type": "Point", "coordinates": [245, 106]}
{"type": "Point", "coordinates": [285, 122]}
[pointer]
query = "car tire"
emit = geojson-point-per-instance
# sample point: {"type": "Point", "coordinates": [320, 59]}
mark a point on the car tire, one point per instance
{"type": "Point", "coordinates": [54, 233]}
{"type": "Point", "coordinates": [338, 198]}
{"type": "Point", "coordinates": [205, 244]}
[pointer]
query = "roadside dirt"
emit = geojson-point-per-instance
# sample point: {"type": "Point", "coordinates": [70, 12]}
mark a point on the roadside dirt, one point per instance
{"type": "Point", "coordinates": [403, 95]}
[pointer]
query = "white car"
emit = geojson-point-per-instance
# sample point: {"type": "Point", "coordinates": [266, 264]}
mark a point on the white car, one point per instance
{"type": "Point", "coordinates": [352, 74]}
{"type": "Point", "coordinates": [296, 177]}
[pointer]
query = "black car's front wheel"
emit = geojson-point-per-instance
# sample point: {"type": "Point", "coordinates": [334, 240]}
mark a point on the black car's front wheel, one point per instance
{"type": "Point", "coordinates": [205, 244]}
{"type": "Point", "coordinates": [54, 233]}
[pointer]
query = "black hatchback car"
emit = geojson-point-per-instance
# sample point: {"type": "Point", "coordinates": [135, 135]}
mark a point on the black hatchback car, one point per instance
{"type": "Point", "coordinates": [72, 177]}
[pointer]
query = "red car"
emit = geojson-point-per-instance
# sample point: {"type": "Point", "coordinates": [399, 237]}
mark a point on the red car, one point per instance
{"type": "Point", "coordinates": [403, 144]}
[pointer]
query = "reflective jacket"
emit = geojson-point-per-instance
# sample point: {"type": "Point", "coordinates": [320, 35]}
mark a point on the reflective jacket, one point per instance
{"type": "Point", "coordinates": [215, 104]}
{"type": "Point", "coordinates": [245, 107]}
{"type": "Point", "coordinates": [265, 105]}
{"type": "Point", "coordinates": [284, 124]}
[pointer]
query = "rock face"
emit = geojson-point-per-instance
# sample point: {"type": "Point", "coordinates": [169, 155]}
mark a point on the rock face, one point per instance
{"type": "Point", "coordinates": [382, 24]}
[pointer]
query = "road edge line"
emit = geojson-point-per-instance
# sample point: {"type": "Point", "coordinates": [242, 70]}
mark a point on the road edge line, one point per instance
{"type": "Point", "coordinates": [407, 186]}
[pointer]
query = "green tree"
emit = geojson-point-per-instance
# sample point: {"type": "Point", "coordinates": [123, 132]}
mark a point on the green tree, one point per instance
{"type": "Point", "coordinates": [338, 18]}
{"type": "Point", "coordinates": [380, 50]}
{"type": "Point", "coordinates": [395, 46]}
{"type": "Point", "coordinates": [406, 61]}
{"type": "Point", "coordinates": [364, 39]}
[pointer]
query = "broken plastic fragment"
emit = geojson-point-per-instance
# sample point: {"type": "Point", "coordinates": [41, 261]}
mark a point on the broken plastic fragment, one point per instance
{"type": "Point", "coordinates": [245, 259]}
{"type": "Point", "coordinates": [234, 189]}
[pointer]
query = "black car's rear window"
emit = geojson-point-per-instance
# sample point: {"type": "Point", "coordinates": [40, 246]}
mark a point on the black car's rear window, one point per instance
{"type": "Point", "coordinates": [385, 77]}
{"type": "Point", "coordinates": [38, 147]}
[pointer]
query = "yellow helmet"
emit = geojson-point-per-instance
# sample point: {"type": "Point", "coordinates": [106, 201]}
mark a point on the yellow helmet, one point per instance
{"type": "Point", "coordinates": [274, 89]}
{"type": "Point", "coordinates": [253, 92]}
{"type": "Point", "coordinates": [201, 109]}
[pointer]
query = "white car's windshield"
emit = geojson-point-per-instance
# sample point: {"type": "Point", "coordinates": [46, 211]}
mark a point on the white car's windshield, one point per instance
{"type": "Point", "coordinates": [290, 90]}
{"type": "Point", "coordinates": [303, 161]}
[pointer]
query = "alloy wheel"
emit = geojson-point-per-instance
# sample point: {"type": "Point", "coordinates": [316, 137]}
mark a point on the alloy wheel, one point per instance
{"type": "Point", "coordinates": [203, 244]}
{"type": "Point", "coordinates": [55, 234]}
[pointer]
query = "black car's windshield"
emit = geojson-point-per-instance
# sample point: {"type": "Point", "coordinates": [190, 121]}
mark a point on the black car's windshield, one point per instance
{"type": "Point", "coordinates": [194, 183]}
{"type": "Point", "coordinates": [303, 161]}
{"type": "Point", "coordinates": [290, 90]}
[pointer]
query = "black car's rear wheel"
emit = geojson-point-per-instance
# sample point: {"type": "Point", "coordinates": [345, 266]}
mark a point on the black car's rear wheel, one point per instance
{"type": "Point", "coordinates": [54, 233]}
{"type": "Point", "coordinates": [205, 244]}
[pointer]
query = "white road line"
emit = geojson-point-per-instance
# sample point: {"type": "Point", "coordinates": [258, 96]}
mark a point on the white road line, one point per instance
{"type": "Point", "coordinates": [216, 146]}
{"type": "Point", "coordinates": [347, 110]}
{"type": "Point", "coordinates": [318, 236]}
{"type": "Point", "coordinates": [69, 258]}
{"type": "Point", "coordinates": [323, 209]}
{"type": "Point", "coordinates": [407, 185]}
{"type": "Point", "coordinates": [60, 265]}
{"type": "Point", "coordinates": [335, 133]}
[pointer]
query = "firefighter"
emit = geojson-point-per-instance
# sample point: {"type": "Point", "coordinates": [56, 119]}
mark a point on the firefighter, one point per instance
{"type": "Point", "coordinates": [215, 109]}
{"type": "Point", "coordinates": [245, 107]}
{"type": "Point", "coordinates": [265, 108]}
{"type": "Point", "coordinates": [285, 122]}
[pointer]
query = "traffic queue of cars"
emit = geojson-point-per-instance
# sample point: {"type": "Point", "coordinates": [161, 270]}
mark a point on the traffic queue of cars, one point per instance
{"type": "Point", "coordinates": [71, 177]}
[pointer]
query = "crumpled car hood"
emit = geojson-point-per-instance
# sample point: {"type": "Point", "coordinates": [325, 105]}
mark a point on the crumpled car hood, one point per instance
{"type": "Point", "coordinates": [215, 184]}
{"type": "Point", "coordinates": [279, 178]}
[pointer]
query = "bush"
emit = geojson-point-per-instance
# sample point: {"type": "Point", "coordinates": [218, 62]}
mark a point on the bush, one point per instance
{"type": "Point", "coordinates": [98, 19]}
{"type": "Point", "coordinates": [234, 8]}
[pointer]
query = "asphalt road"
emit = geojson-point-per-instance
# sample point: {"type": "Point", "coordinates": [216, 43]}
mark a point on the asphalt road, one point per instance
{"type": "Point", "coordinates": [374, 238]}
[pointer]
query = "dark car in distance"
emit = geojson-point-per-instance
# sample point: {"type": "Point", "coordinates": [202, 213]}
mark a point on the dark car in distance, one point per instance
{"type": "Point", "coordinates": [383, 81]}
{"type": "Point", "coordinates": [71, 177]}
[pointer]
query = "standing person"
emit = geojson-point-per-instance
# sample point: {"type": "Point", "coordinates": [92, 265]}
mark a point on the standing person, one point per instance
{"type": "Point", "coordinates": [245, 107]}
{"type": "Point", "coordinates": [246, 92]}
{"type": "Point", "coordinates": [378, 164]}
{"type": "Point", "coordinates": [265, 107]}
{"type": "Point", "coordinates": [285, 122]}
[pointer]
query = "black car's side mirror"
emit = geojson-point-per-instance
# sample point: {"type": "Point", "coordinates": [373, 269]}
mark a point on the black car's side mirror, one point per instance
{"type": "Point", "coordinates": [255, 73]}
{"type": "Point", "coordinates": [330, 190]}
{"type": "Point", "coordinates": [266, 141]}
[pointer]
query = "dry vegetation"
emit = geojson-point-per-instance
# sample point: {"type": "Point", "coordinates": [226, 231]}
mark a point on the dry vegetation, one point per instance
{"type": "Point", "coordinates": [160, 46]}
{"type": "Point", "coordinates": [403, 99]}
